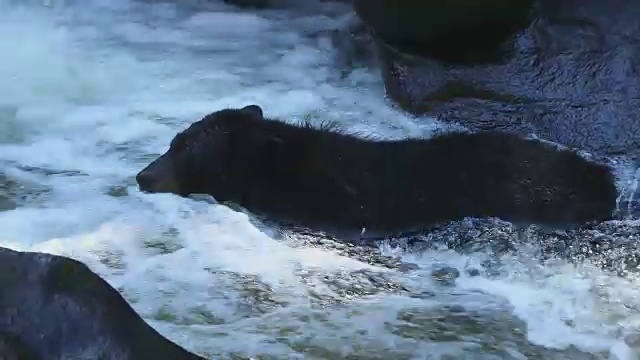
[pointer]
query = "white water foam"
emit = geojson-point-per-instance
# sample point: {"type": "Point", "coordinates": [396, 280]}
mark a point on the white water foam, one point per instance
{"type": "Point", "coordinates": [95, 91]}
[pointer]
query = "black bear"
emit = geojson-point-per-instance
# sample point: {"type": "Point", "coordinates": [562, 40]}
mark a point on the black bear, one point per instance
{"type": "Point", "coordinates": [325, 179]}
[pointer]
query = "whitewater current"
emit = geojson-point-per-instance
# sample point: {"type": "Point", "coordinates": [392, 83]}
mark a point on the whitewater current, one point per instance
{"type": "Point", "coordinates": [92, 91]}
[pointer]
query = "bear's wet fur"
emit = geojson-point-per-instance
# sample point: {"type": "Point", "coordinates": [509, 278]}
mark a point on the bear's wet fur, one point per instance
{"type": "Point", "coordinates": [323, 178]}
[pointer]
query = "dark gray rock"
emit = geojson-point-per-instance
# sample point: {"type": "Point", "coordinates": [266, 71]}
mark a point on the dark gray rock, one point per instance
{"type": "Point", "coordinates": [452, 29]}
{"type": "Point", "coordinates": [53, 307]}
{"type": "Point", "coordinates": [570, 76]}
{"type": "Point", "coordinates": [12, 348]}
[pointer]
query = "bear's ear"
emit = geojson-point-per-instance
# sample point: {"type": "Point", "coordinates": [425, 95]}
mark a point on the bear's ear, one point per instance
{"type": "Point", "coordinates": [253, 110]}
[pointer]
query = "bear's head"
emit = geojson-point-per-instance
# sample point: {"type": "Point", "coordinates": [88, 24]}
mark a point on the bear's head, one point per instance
{"type": "Point", "coordinates": [212, 156]}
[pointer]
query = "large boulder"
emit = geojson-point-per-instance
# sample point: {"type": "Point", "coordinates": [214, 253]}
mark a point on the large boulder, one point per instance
{"type": "Point", "coordinates": [53, 307]}
{"type": "Point", "coordinates": [570, 75]}
{"type": "Point", "coordinates": [447, 29]}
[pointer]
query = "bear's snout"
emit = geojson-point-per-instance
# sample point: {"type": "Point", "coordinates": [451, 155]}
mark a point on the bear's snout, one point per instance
{"type": "Point", "coordinates": [157, 177]}
{"type": "Point", "coordinates": [146, 180]}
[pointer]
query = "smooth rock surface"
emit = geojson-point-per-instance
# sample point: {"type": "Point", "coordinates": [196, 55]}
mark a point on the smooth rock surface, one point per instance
{"type": "Point", "coordinates": [53, 307]}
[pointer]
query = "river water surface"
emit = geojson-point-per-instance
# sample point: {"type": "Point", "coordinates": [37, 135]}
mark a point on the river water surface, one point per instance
{"type": "Point", "coordinates": [92, 91]}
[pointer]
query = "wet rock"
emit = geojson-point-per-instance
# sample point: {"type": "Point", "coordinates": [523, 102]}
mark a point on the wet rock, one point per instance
{"type": "Point", "coordinates": [55, 307]}
{"type": "Point", "coordinates": [571, 76]}
{"type": "Point", "coordinates": [7, 193]}
{"type": "Point", "coordinates": [632, 340]}
{"type": "Point", "coordinates": [255, 297]}
{"type": "Point", "coordinates": [368, 253]}
{"type": "Point", "coordinates": [117, 191]}
{"type": "Point", "coordinates": [454, 31]}
{"type": "Point", "coordinates": [354, 46]}
{"type": "Point", "coordinates": [7, 203]}
{"type": "Point", "coordinates": [347, 285]}
{"type": "Point", "coordinates": [445, 274]}
{"type": "Point", "coordinates": [407, 267]}
{"type": "Point", "coordinates": [499, 333]}
{"type": "Point", "coordinates": [323, 288]}
{"type": "Point", "coordinates": [612, 245]}
{"type": "Point", "coordinates": [15, 192]}
{"type": "Point", "coordinates": [11, 348]}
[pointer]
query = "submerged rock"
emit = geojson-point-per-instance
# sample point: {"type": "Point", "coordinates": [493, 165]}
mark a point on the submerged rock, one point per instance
{"type": "Point", "coordinates": [7, 196]}
{"type": "Point", "coordinates": [570, 76]}
{"type": "Point", "coordinates": [366, 253]}
{"type": "Point", "coordinates": [612, 245]}
{"type": "Point", "coordinates": [53, 307]}
{"type": "Point", "coordinates": [6, 203]}
{"type": "Point", "coordinates": [445, 274]}
{"type": "Point", "coordinates": [16, 192]}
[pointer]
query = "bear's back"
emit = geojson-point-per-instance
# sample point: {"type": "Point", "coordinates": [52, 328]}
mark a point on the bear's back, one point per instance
{"type": "Point", "coordinates": [415, 182]}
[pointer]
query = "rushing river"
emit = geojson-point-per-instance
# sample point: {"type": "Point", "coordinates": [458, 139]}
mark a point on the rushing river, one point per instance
{"type": "Point", "coordinates": [91, 91]}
